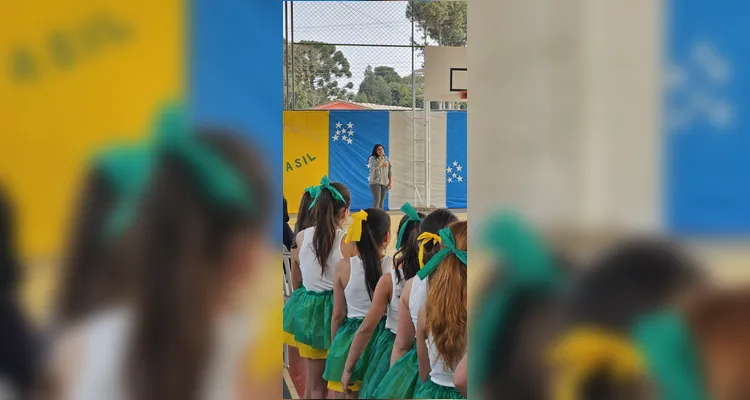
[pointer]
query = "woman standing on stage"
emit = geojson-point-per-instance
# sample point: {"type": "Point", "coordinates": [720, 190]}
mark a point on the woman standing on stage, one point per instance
{"type": "Point", "coordinates": [380, 175]}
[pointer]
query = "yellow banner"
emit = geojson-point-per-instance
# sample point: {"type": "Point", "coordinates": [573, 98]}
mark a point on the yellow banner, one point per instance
{"type": "Point", "coordinates": [305, 152]}
{"type": "Point", "coordinates": [77, 75]}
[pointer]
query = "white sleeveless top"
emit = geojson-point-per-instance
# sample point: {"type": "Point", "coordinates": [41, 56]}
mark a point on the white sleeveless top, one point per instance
{"type": "Point", "coordinates": [440, 374]}
{"type": "Point", "coordinates": [358, 302]}
{"type": "Point", "coordinates": [104, 353]}
{"type": "Point", "coordinates": [310, 267]}
{"type": "Point", "coordinates": [391, 321]}
{"type": "Point", "coordinates": [417, 298]}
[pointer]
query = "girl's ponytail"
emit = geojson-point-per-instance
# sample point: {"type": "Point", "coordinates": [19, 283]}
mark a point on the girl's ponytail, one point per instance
{"type": "Point", "coordinates": [330, 199]}
{"type": "Point", "coordinates": [375, 225]}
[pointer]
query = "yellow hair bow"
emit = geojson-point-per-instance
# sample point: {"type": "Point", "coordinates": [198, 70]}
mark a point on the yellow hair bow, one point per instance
{"type": "Point", "coordinates": [582, 353]}
{"type": "Point", "coordinates": [354, 233]}
{"type": "Point", "coordinates": [424, 239]}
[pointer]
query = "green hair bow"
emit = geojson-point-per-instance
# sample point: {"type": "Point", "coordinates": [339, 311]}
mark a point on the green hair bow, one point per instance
{"type": "Point", "coordinates": [671, 359]}
{"type": "Point", "coordinates": [219, 181]}
{"type": "Point", "coordinates": [448, 247]}
{"type": "Point", "coordinates": [312, 191]}
{"type": "Point", "coordinates": [326, 184]}
{"type": "Point", "coordinates": [413, 216]}
{"type": "Point", "coordinates": [124, 167]}
{"type": "Point", "coordinates": [527, 265]}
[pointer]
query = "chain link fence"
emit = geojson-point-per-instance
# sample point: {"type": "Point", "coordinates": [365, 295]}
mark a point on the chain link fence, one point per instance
{"type": "Point", "coordinates": [366, 52]}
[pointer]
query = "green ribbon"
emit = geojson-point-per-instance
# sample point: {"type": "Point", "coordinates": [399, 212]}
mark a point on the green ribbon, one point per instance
{"type": "Point", "coordinates": [671, 358]}
{"type": "Point", "coordinates": [312, 191]}
{"type": "Point", "coordinates": [527, 265]}
{"type": "Point", "coordinates": [326, 184]}
{"type": "Point", "coordinates": [124, 167]}
{"type": "Point", "coordinates": [219, 181]}
{"type": "Point", "coordinates": [413, 216]}
{"type": "Point", "coordinates": [448, 243]}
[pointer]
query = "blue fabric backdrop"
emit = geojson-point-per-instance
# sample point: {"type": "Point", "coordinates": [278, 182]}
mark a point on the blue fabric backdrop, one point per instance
{"type": "Point", "coordinates": [456, 172]}
{"type": "Point", "coordinates": [352, 135]}
{"type": "Point", "coordinates": [707, 143]}
{"type": "Point", "coordinates": [227, 86]}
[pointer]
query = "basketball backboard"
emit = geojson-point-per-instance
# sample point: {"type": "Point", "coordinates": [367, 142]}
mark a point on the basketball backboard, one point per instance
{"type": "Point", "coordinates": [445, 73]}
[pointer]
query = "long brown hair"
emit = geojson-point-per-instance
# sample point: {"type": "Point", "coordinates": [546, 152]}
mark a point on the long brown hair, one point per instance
{"type": "Point", "coordinates": [88, 271]}
{"type": "Point", "coordinates": [720, 325]}
{"type": "Point", "coordinates": [180, 237]}
{"type": "Point", "coordinates": [305, 216]}
{"type": "Point", "coordinates": [327, 210]}
{"type": "Point", "coordinates": [370, 246]}
{"type": "Point", "coordinates": [445, 307]}
{"type": "Point", "coordinates": [406, 260]}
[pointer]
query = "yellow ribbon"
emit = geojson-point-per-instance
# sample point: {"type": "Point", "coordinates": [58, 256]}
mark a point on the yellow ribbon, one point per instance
{"type": "Point", "coordinates": [354, 233]}
{"type": "Point", "coordinates": [584, 352]}
{"type": "Point", "coordinates": [424, 239]}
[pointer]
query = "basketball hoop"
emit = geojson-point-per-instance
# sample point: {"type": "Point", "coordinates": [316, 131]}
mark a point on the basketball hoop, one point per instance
{"type": "Point", "coordinates": [464, 94]}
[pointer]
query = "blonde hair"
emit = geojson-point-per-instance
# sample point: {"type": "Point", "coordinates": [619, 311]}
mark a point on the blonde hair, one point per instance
{"type": "Point", "coordinates": [445, 307]}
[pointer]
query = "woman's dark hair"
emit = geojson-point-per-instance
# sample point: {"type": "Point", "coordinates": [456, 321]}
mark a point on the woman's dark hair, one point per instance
{"type": "Point", "coordinates": [9, 269]}
{"type": "Point", "coordinates": [375, 151]}
{"type": "Point", "coordinates": [305, 216]}
{"type": "Point", "coordinates": [327, 210]}
{"type": "Point", "coordinates": [433, 223]}
{"type": "Point", "coordinates": [370, 246]}
{"type": "Point", "coordinates": [636, 277]}
{"type": "Point", "coordinates": [179, 238]}
{"type": "Point", "coordinates": [406, 260]}
{"type": "Point", "coordinates": [90, 277]}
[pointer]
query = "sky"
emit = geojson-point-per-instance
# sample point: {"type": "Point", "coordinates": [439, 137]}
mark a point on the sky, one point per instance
{"type": "Point", "coordinates": [361, 22]}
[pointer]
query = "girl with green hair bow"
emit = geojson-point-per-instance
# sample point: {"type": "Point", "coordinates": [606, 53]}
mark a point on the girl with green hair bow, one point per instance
{"type": "Point", "coordinates": [402, 379]}
{"type": "Point", "coordinates": [196, 235]}
{"type": "Point", "coordinates": [606, 349]}
{"type": "Point", "coordinates": [442, 321]}
{"type": "Point", "coordinates": [515, 313]}
{"type": "Point", "coordinates": [308, 320]}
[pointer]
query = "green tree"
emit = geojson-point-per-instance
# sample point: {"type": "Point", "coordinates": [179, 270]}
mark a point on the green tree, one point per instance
{"type": "Point", "coordinates": [375, 88]}
{"type": "Point", "coordinates": [317, 68]}
{"type": "Point", "coordinates": [442, 21]}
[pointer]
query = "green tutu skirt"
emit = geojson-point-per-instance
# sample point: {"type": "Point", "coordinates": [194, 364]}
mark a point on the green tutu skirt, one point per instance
{"type": "Point", "coordinates": [431, 390]}
{"type": "Point", "coordinates": [378, 363]}
{"type": "Point", "coordinates": [402, 380]}
{"type": "Point", "coordinates": [290, 310]}
{"type": "Point", "coordinates": [337, 355]}
{"type": "Point", "coordinates": [312, 321]}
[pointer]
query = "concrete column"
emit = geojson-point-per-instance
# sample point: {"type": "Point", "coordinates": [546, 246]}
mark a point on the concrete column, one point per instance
{"type": "Point", "coordinates": [564, 112]}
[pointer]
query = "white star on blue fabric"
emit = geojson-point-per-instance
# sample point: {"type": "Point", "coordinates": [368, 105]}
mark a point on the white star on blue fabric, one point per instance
{"type": "Point", "coordinates": [338, 125]}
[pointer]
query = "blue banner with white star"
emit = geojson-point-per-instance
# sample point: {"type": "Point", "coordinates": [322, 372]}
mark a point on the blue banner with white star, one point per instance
{"type": "Point", "coordinates": [351, 137]}
{"type": "Point", "coordinates": [456, 158]}
{"type": "Point", "coordinates": [707, 141]}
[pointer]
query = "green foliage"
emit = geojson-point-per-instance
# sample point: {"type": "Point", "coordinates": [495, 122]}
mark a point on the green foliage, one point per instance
{"type": "Point", "coordinates": [442, 21]}
{"type": "Point", "coordinates": [317, 68]}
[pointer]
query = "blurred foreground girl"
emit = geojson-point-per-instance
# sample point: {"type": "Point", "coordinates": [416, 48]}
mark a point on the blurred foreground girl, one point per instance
{"type": "Point", "coordinates": [197, 233]}
{"type": "Point", "coordinates": [321, 248]}
{"type": "Point", "coordinates": [596, 357]}
{"type": "Point", "coordinates": [402, 378]}
{"type": "Point", "coordinates": [377, 361]}
{"type": "Point", "coordinates": [354, 290]}
{"type": "Point", "coordinates": [441, 325]}
{"type": "Point", "coordinates": [515, 319]}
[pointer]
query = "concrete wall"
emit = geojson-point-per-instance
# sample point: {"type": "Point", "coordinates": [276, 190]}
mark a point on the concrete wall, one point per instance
{"type": "Point", "coordinates": [564, 117]}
